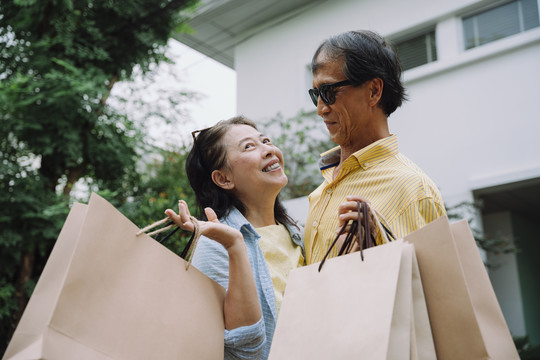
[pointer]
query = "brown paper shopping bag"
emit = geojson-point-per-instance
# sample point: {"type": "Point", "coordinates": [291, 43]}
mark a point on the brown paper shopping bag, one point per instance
{"type": "Point", "coordinates": [354, 309]}
{"type": "Point", "coordinates": [106, 293]}
{"type": "Point", "coordinates": [465, 317]}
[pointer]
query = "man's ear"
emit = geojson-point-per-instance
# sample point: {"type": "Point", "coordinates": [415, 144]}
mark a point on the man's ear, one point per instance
{"type": "Point", "coordinates": [222, 179]}
{"type": "Point", "coordinates": [375, 91]}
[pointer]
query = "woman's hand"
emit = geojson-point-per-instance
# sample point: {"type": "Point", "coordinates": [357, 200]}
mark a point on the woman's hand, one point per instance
{"type": "Point", "coordinates": [241, 306]}
{"type": "Point", "coordinates": [212, 229]}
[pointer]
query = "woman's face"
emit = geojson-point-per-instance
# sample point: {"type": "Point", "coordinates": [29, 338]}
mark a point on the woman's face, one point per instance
{"type": "Point", "coordinates": [255, 165]}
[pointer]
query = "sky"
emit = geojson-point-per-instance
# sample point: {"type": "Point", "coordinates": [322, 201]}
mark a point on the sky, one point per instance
{"type": "Point", "coordinates": [214, 84]}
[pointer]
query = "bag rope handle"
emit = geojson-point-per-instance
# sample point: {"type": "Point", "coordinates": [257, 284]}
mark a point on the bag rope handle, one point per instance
{"type": "Point", "coordinates": [363, 233]}
{"type": "Point", "coordinates": [190, 246]}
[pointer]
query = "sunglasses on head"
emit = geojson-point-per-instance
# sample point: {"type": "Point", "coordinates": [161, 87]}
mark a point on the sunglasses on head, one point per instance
{"type": "Point", "coordinates": [195, 134]}
{"type": "Point", "coordinates": [326, 92]}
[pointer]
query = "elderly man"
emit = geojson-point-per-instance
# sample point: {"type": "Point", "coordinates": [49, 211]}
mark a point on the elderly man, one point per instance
{"type": "Point", "coordinates": [356, 80]}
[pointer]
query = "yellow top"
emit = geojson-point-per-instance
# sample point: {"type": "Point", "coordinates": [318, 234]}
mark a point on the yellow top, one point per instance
{"type": "Point", "coordinates": [398, 189]}
{"type": "Point", "coordinates": [281, 255]}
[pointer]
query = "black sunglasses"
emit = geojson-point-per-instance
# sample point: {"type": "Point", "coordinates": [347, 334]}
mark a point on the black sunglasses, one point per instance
{"type": "Point", "coordinates": [326, 92]}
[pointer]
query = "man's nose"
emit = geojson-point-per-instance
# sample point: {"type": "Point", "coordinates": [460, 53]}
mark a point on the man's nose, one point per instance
{"type": "Point", "coordinates": [322, 108]}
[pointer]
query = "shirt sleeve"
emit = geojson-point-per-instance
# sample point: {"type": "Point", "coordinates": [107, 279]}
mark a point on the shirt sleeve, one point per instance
{"type": "Point", "coordinates": [246, 342]}
{"type": "Point", "coordinates": [416, 215]}
{"type": "Point", "coordinates": [212, 259]}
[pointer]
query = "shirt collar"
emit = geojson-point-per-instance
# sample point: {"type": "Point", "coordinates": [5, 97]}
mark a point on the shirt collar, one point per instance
{"type": "Point", "coordinates": [236, 220]}
{"type": "Point", "coordinates": [372, 154]}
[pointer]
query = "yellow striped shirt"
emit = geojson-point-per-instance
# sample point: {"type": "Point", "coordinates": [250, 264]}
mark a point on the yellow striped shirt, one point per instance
{"type": "Point", "coordinates": [397, 188]}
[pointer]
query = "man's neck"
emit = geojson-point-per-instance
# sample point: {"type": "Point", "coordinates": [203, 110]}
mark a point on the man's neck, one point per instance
{"type": "Point", "coordinates": [367, 138]}
{"type": "Point", "coordinates": [375, 130]}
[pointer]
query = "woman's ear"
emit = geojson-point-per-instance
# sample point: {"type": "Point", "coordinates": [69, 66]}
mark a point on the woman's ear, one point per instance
{"type": "Point", "coordinates": [222, 179]}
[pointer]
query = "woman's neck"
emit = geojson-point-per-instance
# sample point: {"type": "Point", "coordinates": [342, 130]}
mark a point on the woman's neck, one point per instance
{"type": "Point", "coordinates": [260, 213]}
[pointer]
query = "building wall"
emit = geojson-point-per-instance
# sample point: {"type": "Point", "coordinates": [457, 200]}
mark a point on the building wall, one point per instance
{"type": "Point", "coordinates": [280, 55]}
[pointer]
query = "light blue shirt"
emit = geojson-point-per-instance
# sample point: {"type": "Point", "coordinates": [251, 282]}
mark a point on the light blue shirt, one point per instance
{"type": "Point", "coordinates": [211, 258]}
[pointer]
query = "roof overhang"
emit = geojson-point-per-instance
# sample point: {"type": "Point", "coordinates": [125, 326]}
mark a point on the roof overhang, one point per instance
{"type": "Point", "coordinates": [220, 25]}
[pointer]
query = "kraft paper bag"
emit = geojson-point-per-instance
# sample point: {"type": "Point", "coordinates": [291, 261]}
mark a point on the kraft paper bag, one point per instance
{"type": "Point", "coordinates": [465, 316]}
{"type": "Point", "coordinates": [353, 309]}
{"type": "Point", "coordinates": [106, 293]}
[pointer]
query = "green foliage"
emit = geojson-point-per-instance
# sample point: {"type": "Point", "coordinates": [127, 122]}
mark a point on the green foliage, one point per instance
{"type": "Point", "coordinates": [302, 139]}
{"type": "Point", "coordinates": [164, 183]}
{"type": "Point", "coordinates": [59, 61]}
{"type": "Point", "coordinates": [30, 217]}
{"type": "Point", "coordinates": [526, 351]}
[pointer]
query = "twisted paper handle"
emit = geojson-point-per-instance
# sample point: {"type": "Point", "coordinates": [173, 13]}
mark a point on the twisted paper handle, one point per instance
{"type": "Point", "coordinates": [192, 243]}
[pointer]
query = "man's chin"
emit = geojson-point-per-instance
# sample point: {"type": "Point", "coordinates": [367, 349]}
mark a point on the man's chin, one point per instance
{"type": "Point", "coordinates": [335, 138]}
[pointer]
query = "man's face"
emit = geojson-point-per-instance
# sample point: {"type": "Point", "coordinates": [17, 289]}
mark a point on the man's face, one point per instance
{"type": "Point", "coordinates": [348, 117]}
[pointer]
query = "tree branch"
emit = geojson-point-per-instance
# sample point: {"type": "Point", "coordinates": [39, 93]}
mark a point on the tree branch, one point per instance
{"type": "Point", "coordinates": [154, 16]}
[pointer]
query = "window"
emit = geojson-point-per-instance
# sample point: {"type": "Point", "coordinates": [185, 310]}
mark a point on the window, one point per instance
{"type": "Point", "coordinates": [499, 22]}
{"type": "Point", "coordinates": [417, 51]}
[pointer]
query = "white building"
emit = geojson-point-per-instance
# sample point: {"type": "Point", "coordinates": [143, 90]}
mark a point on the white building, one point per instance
{"type": "Point", "coordinates": [472, 119]}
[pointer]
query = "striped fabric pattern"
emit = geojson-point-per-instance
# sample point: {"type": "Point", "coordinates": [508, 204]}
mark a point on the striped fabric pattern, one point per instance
{"type": "Point", "coordinates": [397, 188]}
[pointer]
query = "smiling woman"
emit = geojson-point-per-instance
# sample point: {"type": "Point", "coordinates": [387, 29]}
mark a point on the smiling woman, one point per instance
{"type": "Point", "coordinates": [254, 174]}
{"type": "Point", "coordinates": [249, 243]}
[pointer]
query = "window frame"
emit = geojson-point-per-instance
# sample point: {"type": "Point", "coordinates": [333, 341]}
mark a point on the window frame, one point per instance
{"type": "Point", "coordinates": [426, 33]}
{"type": "Point", "coordinates": [487, 8]}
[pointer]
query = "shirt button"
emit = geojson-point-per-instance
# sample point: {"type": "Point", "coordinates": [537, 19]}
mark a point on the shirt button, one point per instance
{"type": "Point", "coordinates": [329, 191]}
{"type": "Point", "coordinates": [366, 164]}
{"type": "Point", "coordinates": [314, 224]}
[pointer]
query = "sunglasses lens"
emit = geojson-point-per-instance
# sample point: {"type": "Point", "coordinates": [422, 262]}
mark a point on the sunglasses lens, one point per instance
{"type": "Point", "coordinates": [314, 93]}
{"type": "Point", "coordinates": [327, 94]}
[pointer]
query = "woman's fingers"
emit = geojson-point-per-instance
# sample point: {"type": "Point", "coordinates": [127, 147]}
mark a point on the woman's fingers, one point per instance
{"type": "Point", "coordinates": [211, 214]}
{"type": "Point", "coordinates": [213, 229]}
{"type": "Point", "coordinates": [182, 219]}
{"type": "Point", "coordinates": [183, 211]}
{"type": "Point", "coordinates": [177, 219]}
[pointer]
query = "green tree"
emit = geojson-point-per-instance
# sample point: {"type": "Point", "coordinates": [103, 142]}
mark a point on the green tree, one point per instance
{"type": "Point", "coordinates": [59, 61]}
{"type": "Point", "coordinates": [164, 183]}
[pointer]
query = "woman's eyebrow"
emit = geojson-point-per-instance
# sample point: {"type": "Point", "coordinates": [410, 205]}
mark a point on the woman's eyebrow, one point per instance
{"type": "Point", "coordinates": [248, 138]}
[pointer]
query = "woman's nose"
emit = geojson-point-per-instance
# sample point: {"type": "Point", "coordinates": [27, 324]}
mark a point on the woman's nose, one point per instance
{"type": "Point", "coordinates": [269, 150]}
